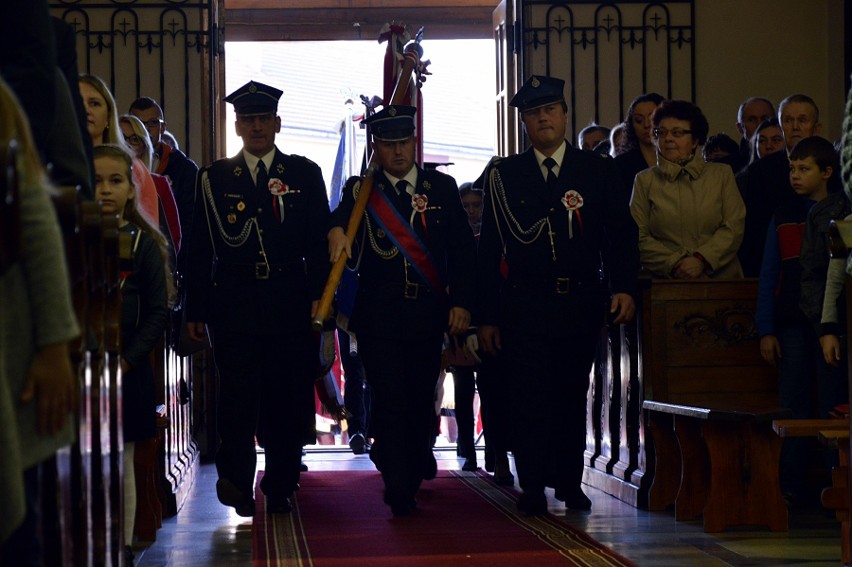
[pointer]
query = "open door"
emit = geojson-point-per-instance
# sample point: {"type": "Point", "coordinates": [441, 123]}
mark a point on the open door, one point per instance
{"type": "Point", "coordinates": [505, 28]}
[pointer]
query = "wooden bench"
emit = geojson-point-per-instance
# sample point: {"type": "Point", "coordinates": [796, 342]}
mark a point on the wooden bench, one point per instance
{"type": "Point", "coordinates": [831, 433]}
{"type": "Point", "coordinates": [720, 462]}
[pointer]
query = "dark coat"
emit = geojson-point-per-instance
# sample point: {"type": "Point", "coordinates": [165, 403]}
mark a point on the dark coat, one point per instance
{"type": "Point", "coordinates": [144, 316]}
{"type": "Point", "coordinates": [602, 256]}
{"type": "Point", "coordinates": [225, 251]}
{"type": "Point", "coordinates": [381, 308]}
{"type": "Point", "coordinates": [764, 186]}
{"type": "Point", "coordinates": [181, 172]}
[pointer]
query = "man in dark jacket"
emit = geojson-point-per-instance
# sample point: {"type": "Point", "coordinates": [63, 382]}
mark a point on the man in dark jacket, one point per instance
{"type": "Point", "coordinates": [416, 281]}
{"type": "Point", "coordinates": [556, 216]}
{"type": "Point", "coordinates": [174, 164]}
{"type": "Point", "coordinates": [256, 269]}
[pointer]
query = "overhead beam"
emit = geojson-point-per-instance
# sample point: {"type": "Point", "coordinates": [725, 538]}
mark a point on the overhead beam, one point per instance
{"type": "Point", "coordinates": [311, 24]}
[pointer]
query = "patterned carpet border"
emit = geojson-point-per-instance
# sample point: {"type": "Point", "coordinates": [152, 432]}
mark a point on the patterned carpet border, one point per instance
{"type": "Point", "coordinates": [570, 542]}
{"type": "Point", "coordinates": [281, 540]}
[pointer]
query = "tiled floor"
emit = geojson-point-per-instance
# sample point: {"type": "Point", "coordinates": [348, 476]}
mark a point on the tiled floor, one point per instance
{"type": "Point", "coordinates": [206, 533]}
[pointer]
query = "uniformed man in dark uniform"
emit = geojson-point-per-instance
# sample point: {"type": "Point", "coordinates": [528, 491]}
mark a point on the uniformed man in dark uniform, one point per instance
{"type": "Point", "coordinates": [415, 260]}
{"type": "Point", "coordinates": [257, 266]}
{"type": "Point", "coordinates": [556, 215]}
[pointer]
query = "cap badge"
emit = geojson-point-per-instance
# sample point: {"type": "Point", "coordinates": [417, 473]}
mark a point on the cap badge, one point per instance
{"type": "Point", "coordinates": [252, 88]}
{"type": "Point", "coordinates": [392, 111]}
{"type": "Point", "coordinates": [535, 83]}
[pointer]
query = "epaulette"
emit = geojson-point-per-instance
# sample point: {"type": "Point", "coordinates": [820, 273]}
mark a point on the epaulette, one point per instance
{"type": "Point", "coordinates": [302, 158]}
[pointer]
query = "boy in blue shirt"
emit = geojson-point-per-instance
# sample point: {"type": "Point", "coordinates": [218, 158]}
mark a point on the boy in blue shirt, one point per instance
{"type": "Point", "coordinates": [788, 340]}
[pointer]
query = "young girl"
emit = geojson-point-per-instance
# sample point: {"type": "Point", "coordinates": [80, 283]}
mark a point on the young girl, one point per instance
{"type": "Point", "coordinates": [145, 293]}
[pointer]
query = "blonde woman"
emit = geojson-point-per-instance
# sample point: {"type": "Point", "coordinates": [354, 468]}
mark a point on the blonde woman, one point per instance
{"type": "Point", "coordinates": [137, 138]}
{"type": "Point", "coordinates": [102, 124]}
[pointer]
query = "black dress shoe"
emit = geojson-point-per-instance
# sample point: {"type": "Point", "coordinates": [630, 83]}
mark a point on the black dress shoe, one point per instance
{"type": "Point", "coordinates": [278, 505]}
{"type": "Point", "coordinates": [470, 464]}
{"type": "Point", "coordinates": [504, 480]}
{"type": "Point", "coordinates": [400, 504]}
{"type": "Point", "coordinates": [303, 467]}
{"type": "Point", "coordinates": [533, 503]}
{"type": "Point", "coordinates": [358, 444]}
{"type": "Point", "coordinates": [230, 495]}
{"type": "Point", "coordinates": [575, 499]}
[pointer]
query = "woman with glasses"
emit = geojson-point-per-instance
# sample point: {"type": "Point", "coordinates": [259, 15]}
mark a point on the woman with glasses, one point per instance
{"type": "Point", "coordinates": [137, 138]}
{"type": "Point", "coordinates": [689, 212]}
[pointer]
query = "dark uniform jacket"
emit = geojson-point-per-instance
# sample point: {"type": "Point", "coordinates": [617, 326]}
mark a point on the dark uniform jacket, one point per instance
{"type": "Point", "coordinates": [381, 307]}
{"type": "Point", "coordinates": [181, 172]}
{"type": "Point", "coordinates": [228, 280]}
{"type": "Point", "coordinates": [519, 214]}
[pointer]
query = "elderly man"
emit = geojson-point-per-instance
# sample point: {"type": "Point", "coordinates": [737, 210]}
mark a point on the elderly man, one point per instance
{"type": "Point", "coordinates": [554, 214]}
{"type": "Point", "coordinates": [750, 114]}
{"type": "Point", "coordinates": [256, 269]}
{"type": "Point", "coordinates": [416, 282]}
{"type": "Point", "coordinates": [765, 184]}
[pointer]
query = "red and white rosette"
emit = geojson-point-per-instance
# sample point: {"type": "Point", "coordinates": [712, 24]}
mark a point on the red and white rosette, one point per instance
{"type": "Point", "coordinates": [419, 203]}
{"type": "Point", "coordinates": [572, 201]}
{"type": "Point", "coordinates": [278, 189]}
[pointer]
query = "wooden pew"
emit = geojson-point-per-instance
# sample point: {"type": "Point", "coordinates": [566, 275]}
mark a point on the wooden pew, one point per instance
{"type": "Point", "coordinates": [727, 466]}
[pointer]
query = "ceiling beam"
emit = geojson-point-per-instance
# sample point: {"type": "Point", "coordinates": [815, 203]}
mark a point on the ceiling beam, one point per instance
{"type": "Point", "coordinates": [310, 24]}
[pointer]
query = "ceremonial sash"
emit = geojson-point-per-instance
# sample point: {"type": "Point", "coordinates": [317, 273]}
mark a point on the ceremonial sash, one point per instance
{"type": "Point", "coordinates": [403, 236]}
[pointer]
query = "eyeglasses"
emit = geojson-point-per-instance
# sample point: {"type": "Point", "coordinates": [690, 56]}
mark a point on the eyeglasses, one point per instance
{"type": "Point", "coordinates": [134, 139]}
{"type": "Point", "coordinates": [153, 123]}
{"type": "Point", "coordinates": [660, 133]}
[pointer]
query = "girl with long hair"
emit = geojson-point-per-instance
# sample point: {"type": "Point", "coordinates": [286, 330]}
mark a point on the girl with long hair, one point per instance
{"type": "Point", "coordinates": [145, 295]}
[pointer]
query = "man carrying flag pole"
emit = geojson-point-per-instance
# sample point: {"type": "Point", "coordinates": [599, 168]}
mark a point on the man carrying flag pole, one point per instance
{"type": "Point", "coordinates": [416, 281]}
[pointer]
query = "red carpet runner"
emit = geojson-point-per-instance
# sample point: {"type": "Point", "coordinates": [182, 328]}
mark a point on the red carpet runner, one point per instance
{"type": "Point", "coordinates": [339, 520]}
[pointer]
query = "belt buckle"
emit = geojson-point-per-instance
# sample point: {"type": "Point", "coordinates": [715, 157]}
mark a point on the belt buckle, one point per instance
{"type": "Point", "coordinates": [261, 271]}
{"type": "Point", "coordinates": [563, 286]}
{"type": "Point", "coordinates": [411, 290]}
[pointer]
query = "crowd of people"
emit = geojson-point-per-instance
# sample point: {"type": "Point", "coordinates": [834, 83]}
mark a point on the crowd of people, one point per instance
{"type": "Point", "coordinates": [507, 280]}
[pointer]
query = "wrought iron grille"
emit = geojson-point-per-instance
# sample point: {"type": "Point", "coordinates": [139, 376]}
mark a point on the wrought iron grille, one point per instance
{"type": "Point", "coordinates": [147, 48]}
{"type": "Point", "coordinates": [610, 52]}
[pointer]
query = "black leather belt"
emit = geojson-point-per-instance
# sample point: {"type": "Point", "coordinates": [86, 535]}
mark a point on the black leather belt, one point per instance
{"type": "Point", "coordinates": [556, 285]}
{"type": "Point", "coordinates": [260, 270]}
{"type": "Point", "coordinates": [408, 290]}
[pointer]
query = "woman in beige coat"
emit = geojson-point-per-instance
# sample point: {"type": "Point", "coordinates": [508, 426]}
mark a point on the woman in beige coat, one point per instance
{"type": "Point", "coordinates": [689, 212]}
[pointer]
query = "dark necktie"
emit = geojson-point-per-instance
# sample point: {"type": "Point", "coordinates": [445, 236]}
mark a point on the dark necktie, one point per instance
{"type": "Point", "coordinates": [262, 177]}
{"type": "Point", "coordinates": [550, 163]}
{"type": "Point", "coordinates": [402, 187]}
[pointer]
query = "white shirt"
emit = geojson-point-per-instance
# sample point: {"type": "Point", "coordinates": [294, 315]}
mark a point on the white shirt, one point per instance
{"type": "Point", "coordinates": [557, 156]}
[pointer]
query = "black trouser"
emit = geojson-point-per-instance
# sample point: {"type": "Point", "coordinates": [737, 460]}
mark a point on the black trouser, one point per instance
{"type": "Point", "coordinates": [265, 387]}
{"type": "Point", "coordinates": [551, 380]}
{"type": "Point", "coordinates": [496, 406]}
{"type": "Point", "coordinates": [402, 375]}
{"type": "Point", "coordinates": [464, 389]}
{"type": "Point", "coordinates": [356, 392]}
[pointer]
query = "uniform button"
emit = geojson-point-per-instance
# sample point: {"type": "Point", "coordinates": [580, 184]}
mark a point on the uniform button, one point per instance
{"type": "Point", "coordinates": [552, 210]}
{"type": "Point", "coordinates": [260, 210]}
